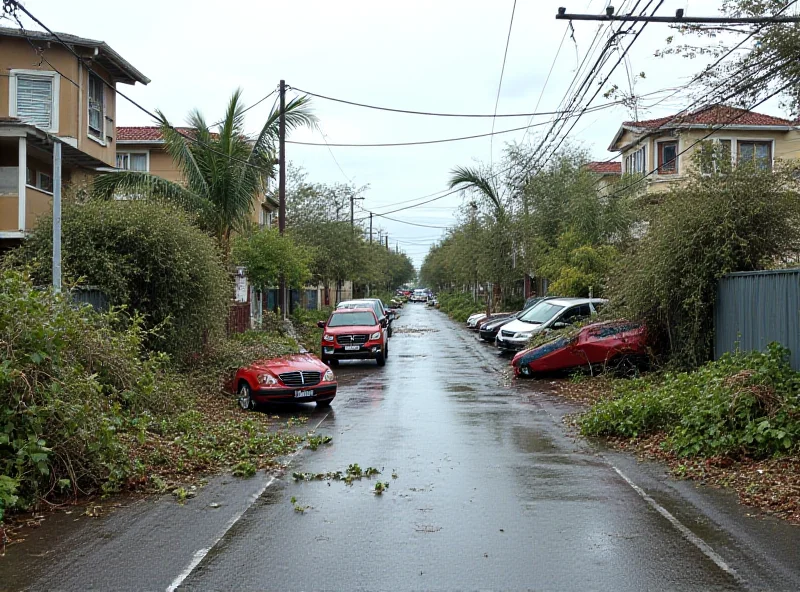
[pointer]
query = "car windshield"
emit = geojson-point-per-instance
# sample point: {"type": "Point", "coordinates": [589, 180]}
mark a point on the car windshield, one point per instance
{"type": "Point", "coordinates": [541, 313]}
{"type": "Point", "coordinates": [352, 319]}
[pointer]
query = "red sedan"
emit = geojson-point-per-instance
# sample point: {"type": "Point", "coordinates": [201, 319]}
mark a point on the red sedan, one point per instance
{"type": "Point", "coordinates": [354, 333]}
{"type": "Point", "coordinates": [599, 343]}
{"type": "Point", "coordinates": [297, 378]}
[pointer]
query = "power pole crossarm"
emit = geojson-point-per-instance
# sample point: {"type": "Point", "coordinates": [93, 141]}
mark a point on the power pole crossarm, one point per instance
{"type": "Point", "coordinates": [679, 18]}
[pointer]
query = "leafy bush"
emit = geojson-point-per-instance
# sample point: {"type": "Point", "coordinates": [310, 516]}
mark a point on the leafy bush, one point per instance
{"type": "Point", "coordinates": [743, 404]}
{"type": "Point", "coordinates": [71, 379]}
{"type": "Point", "coordinates": [458, 305]}
{"type": "Point", "coordinates": [268, 255]}
{"type": "Point", "coordinates": [146, 256]}
{"type": "Point", "coordinates": [742, 219]}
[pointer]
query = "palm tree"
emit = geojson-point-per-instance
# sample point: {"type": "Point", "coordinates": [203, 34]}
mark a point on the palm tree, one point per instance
{"type": "Point", "coordinates": [471, 178]}
{"type": "Point", "coordinates": [223, 171]}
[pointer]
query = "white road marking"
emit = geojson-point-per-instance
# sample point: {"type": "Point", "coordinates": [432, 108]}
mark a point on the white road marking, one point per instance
{"type": "Point", "coordinates": [200, 554]}
{"type": "Point", "coordinates": [688, 534]}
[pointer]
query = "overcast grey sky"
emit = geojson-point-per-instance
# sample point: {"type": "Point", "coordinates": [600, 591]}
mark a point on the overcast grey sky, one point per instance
{"type": "Point", "coordinates": [435, 55]}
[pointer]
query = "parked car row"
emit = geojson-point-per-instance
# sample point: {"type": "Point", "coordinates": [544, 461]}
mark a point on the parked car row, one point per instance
{"type": "Point", "coordinates": [598, 343]}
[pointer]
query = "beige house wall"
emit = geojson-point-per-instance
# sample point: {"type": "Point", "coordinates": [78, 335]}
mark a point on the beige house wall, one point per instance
{"type": "Point", "coordinates": [9, 213]}
{"type": "Point", "coordinates": [73, 102]}
{"type": "Point", "coordinates": [37, 203]}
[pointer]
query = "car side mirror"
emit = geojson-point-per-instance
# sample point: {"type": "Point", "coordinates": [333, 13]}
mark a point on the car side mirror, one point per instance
{"type": "Point", "coordinates": [321, 324]}
{"type": "Point", "coordinates": [560, 325]}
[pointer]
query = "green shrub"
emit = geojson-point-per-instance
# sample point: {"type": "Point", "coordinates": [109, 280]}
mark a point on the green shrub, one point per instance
{"type": "Point", "coordinates": [71, 379]}
{"type": "Point", "coordinates": [146, 256]}
{"type": "Point", "coordinates": [741, 219]}
{"type": "Point", "coordinates": [743, 404]}
{"type": "Point", "coordinates": [458, 305]}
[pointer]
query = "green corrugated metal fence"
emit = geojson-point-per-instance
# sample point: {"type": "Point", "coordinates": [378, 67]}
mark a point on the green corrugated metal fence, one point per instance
{"type": "Point", "coordinates": [756, 308]}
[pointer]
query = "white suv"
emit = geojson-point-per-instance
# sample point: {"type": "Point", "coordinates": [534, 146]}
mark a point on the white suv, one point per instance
{"type": "Point", "coordinates": [548, 314]}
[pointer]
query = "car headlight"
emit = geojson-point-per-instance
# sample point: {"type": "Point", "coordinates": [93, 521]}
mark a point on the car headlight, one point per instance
{"type": "Point", "coordinates": [376, 335]}
{"type": "Point", "coordinates": [267, 379]}
{"type": "Point", "coordinates": [526, 335]}
{"type": "Point", "coordinates": [327, 337]}
{"type": "Point", "coordinates": [329, 376]}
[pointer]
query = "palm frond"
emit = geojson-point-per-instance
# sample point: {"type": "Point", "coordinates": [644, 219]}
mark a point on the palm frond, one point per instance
{"type": "Point", "coordinates": [145, 185]}
{"type": "Point", "coordinates": [469, 178]}
{"type": "Point", "coordinates": [179, 148]}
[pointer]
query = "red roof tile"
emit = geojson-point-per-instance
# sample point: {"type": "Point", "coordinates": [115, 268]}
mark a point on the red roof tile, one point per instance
{"type": "Point", "coordinates": [713, 115]}
{"type": "Point", "coordinates": [605, 167]}
{"type": "Point", "coordinates": [145, 134]}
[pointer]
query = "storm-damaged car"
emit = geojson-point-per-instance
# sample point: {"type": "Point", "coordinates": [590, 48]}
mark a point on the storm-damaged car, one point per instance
{"type": "Point", "coordinates": [609, 344]}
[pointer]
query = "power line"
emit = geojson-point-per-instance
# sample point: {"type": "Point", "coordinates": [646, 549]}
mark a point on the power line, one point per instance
{"type": "Point", "coordinates": [500, 83]}
{"type": "Point", "coordinates": [441, 141]}
{"type": "Point", "coordinates": [427, 113]}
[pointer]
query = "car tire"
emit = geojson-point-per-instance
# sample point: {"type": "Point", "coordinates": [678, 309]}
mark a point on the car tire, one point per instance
{"type": "Point", "coordinates": [389, 332]}
{"type": "Point", "coordinates": [245, 398]}
{"type": "Point", "coordinates": [330, 361]}
{"type": "Point", "coordinates": [325, 403]}
{"type": "Point", "coordinates": [380, 359]}
{"type": "Point", "coordinates": [386, 350]}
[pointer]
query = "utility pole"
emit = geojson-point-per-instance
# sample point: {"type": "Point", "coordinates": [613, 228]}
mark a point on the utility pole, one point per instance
{"type": "Point", "coordinates": [387, 241]}
{"type": "Point", "coordinates": [679, 18]}
{"type": "Point", "coordinates": [57, 216]}
{"type": "Point", "coordinates": [370, 228]}
{"type": "Point", "coordinates": [353, 199]}
{"type": "Point", "coordinates": [282, 186]}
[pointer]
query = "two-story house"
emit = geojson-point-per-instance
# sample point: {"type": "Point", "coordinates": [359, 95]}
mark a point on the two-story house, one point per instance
{"type": "Point", "coordinates": [143, 149]}
{"type": "Point", "coordinates": [664, 148]}
{"type": "Point", "coordinates": [48, 95]}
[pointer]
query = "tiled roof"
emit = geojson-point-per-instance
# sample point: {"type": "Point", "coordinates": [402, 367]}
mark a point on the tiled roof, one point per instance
{"type": "Point", "coordinates": [605, 167]}
{"type": "Point", "coordinates": [145, 134]}
{"type": "Point", "coordinates": [713, 115]}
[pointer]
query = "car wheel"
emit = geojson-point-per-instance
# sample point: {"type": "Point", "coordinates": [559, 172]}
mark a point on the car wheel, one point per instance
{"type": "Point", "coordinates": [389, 332]}
{"type": "Point", "coordinates": [325, 403]}
{"type": "Point", "coordinates": [386, 350]}
{"type": "Point", "coordinates": [380, 359]}
{"type": "Point", "coordinates": [245, 399]}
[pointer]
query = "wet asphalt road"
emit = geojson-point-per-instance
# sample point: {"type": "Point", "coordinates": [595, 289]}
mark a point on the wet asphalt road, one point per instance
{"type": "Point", "coordinates": [491, 492]}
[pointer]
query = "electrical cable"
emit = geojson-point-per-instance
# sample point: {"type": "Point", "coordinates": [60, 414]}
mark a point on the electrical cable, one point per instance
{"type": "Point", "coordinates": [441, 141]}
{"type": "Point", "coordinates": [500, 83]}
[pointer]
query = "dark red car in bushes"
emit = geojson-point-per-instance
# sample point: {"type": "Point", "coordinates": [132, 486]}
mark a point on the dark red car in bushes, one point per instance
{"type": "Point", "coordinates": [608, 343]}
{"type": "Point", "coordinates": [297, 378]}
{"type": "Point", "coordinates": [353, 334]}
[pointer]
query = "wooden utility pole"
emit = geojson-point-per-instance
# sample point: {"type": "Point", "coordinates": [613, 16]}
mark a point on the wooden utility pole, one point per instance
{"type": "Point", "coordinates": [679, 18]}
{"type": "Point", "coordinates": [387, 241]}
{"type": "Point", "coordinates": [282, 186]}
{"type": "Point", "coordinates": [370, 228]}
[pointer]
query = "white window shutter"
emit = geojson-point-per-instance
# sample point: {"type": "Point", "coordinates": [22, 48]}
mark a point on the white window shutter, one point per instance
{"type": "Point", "coordinates": [35, 101]}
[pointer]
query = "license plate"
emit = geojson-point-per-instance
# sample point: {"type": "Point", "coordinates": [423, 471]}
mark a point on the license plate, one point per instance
{"type": "Point", "coordinates": [302, 394]}
{"type": "Point", "coordinates": [352, 347]}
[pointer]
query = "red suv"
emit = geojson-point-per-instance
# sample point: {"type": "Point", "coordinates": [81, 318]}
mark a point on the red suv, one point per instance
{"type": "Point", "coordinates": [354, 333]}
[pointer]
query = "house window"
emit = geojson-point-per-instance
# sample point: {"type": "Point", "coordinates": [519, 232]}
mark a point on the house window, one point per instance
{"type": "Point", "coordinates": [132, 161]}
{"type": "Point", "coordinates": [30, 177]}
{"type": "Point", "coordinates": [635, 161]}
{"type": "Point", "coordinates": [96, 107]}
{"type": "Point", "coordinates": [667, 158]}
{"type": "Point", "coordinates": [44, 182]}
{"type": "Point", "coordinates": [34, 98]}
{"type": "Point", "coordinates": [758, 152]}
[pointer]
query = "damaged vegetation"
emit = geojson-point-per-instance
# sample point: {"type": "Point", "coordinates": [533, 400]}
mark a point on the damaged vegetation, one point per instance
{"type": "Point", "coordinates": [88, 409]}
{"type": "Point", "coordinates": [731, 423]}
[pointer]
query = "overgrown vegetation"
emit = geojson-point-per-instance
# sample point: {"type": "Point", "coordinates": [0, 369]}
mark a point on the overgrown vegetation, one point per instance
{"type": "Point", "coordinates": [71, 380]}
{"type": "Point", "coordinates": [86, 408]}
{"type": "Point", "coordinates": [146, 256]}
{"type": "Point", "coordinates": [458, 305]}
{"type": "Point", "coordinates": [733, 219]}
{"type": "Point", "coordinates": [743, 405]}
